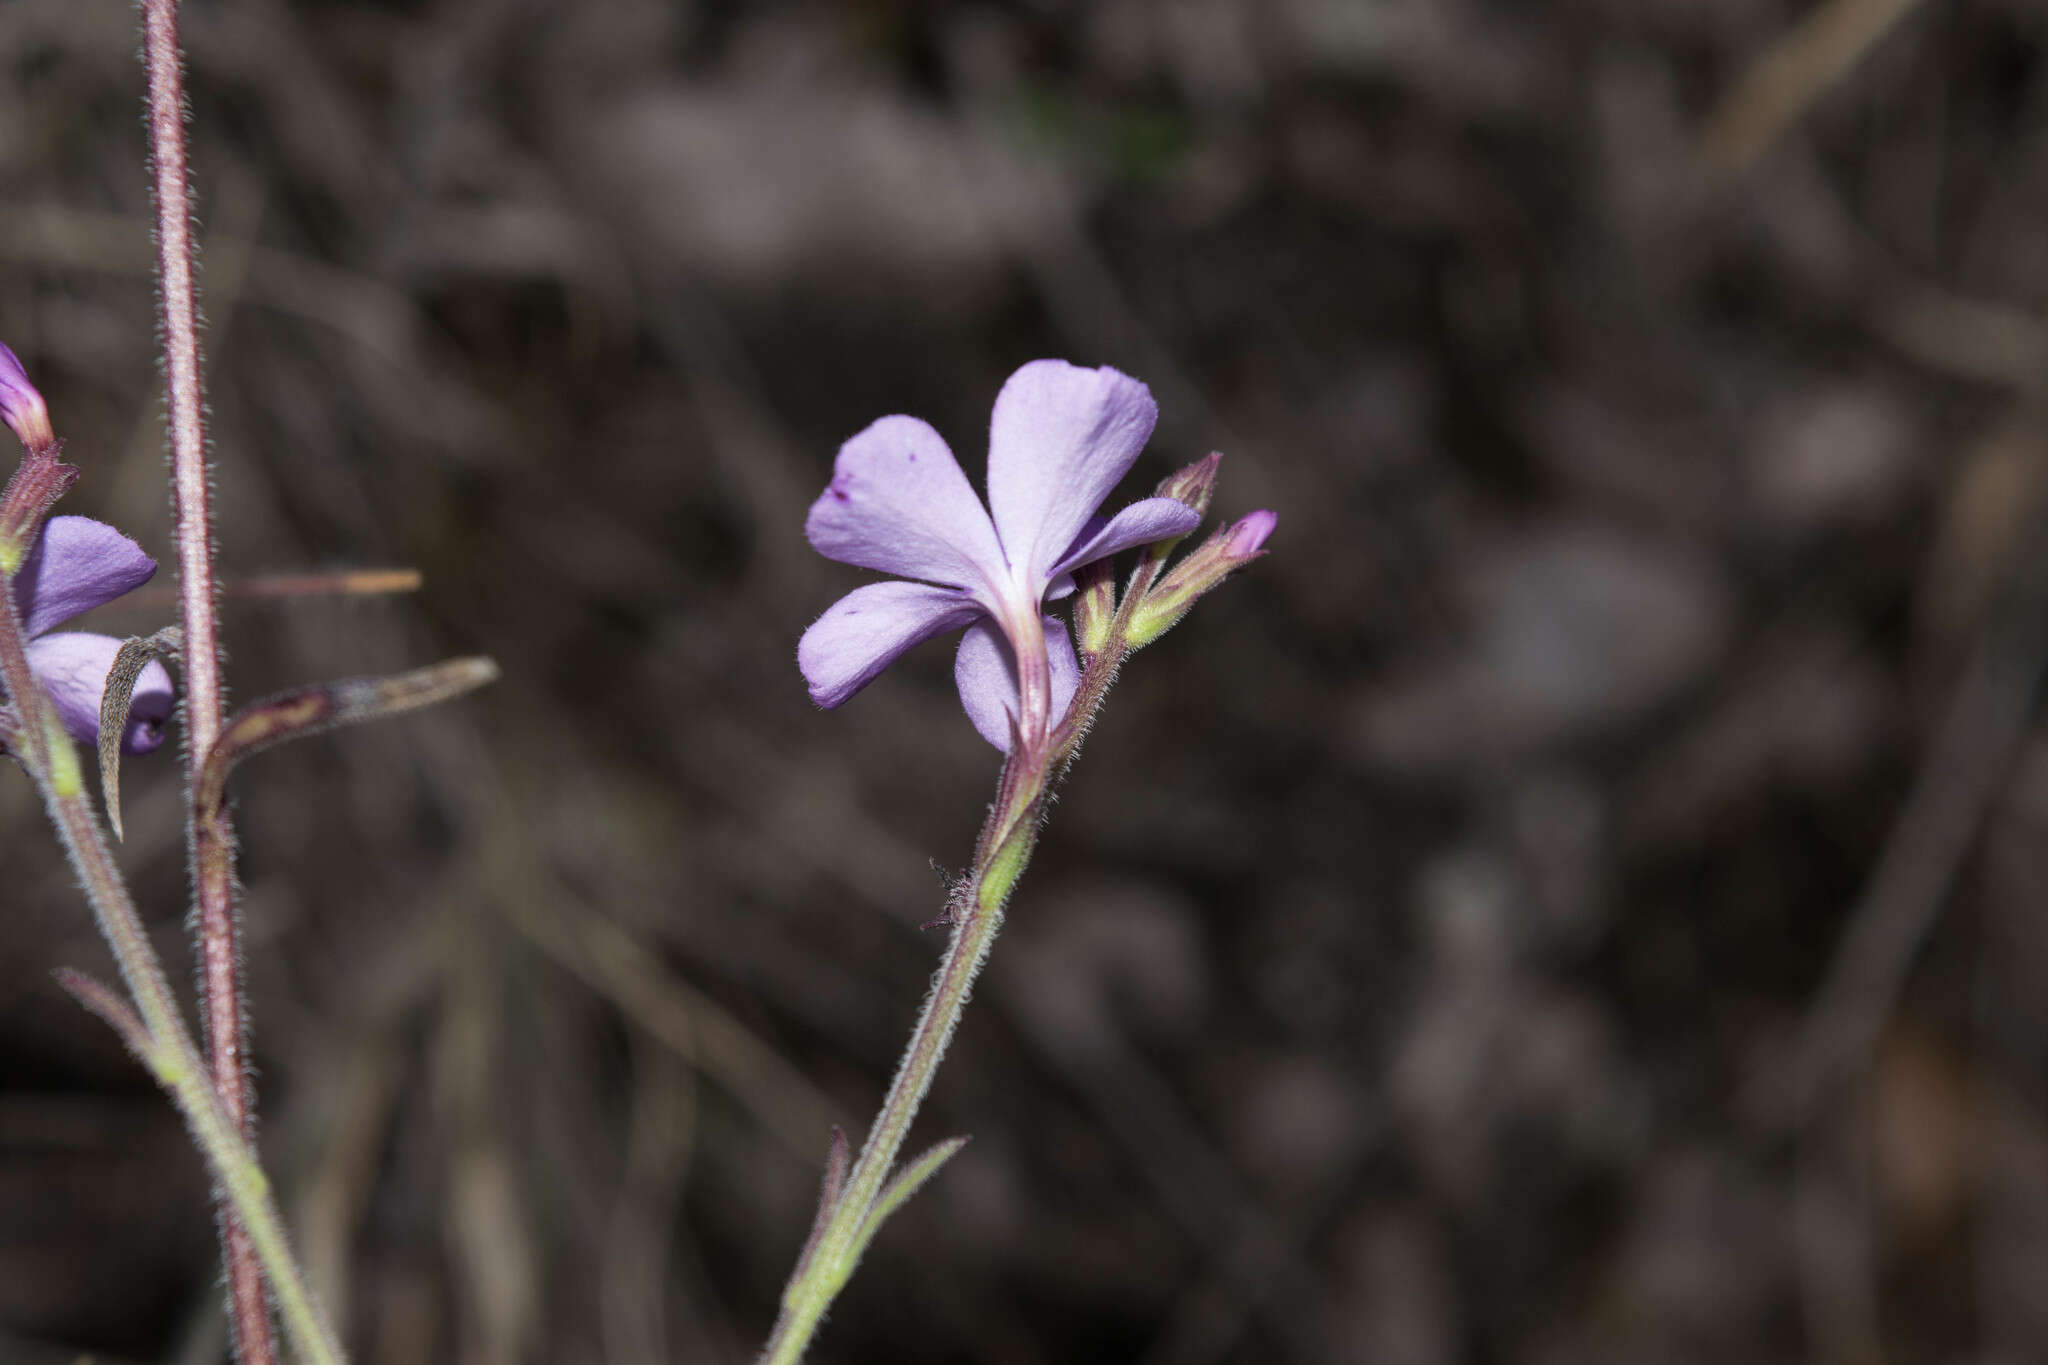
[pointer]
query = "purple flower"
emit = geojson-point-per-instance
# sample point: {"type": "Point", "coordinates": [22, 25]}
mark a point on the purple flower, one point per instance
{"type": "Point", "coordinates": [78, 564]}
{"type": "Point", "coordinates": [1059, 440]}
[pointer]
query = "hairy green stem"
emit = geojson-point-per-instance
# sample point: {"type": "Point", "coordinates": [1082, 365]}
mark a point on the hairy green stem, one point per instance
{"type": "Point", "coordinates": [1002, 851]}
{"type": "Point", "coordinates": [853, 1209]}
{"type": "Point", "coordinates": [1007, 839]}
{"type": "Point", "coordinates": [165, 1045]}
{"type": "Point", "coordinates": [175, 1062]}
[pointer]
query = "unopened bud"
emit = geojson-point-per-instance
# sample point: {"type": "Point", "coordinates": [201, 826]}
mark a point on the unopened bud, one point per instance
{"type": "Point", "coordinates": [21, 407]}
{"type": "Point", "coordinates": [1246, 540]}
{"type": "Point", "coordinates": [1215, 559]}
{"type": "Point", "coordinates": [1094, 607]}
{"type": "Point", "coordinates": [34, 489]}
{"type": "Point", "coordinates": [1192, 485]}
{"type": "Point", "coordinates": [40, 480]}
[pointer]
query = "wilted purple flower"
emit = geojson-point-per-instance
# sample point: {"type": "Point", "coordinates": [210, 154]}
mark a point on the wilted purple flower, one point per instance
{"type": "Point", "coordinates": [1059, 440]}
{"type": "Point", "coordinates": [21, 407]}
{"type": "Point", "coordinates": [78, 564]}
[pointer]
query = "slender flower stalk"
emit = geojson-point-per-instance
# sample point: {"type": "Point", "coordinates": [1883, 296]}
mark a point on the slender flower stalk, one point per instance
{"type": "Point", "coordinates": [153, 1030]}
{"type": "Point", "coordinates": [1008, 837]}
{"type": "Point", "coordinates": [209, 846]}
{"type": "Point", "coordinates": [1061, 438]}
{"type": "Point", "coordinates": [56, 689]}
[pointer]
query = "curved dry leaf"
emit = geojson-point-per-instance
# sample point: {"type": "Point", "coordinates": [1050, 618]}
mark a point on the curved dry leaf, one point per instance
{"type": "Point", "coordinates": [135, 655]}
{"type": "Point", "coordinates": [311, 710]}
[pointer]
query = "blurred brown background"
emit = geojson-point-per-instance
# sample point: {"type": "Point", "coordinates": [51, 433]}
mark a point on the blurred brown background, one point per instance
{"type": "Point", "coordinates": [1576, 900]}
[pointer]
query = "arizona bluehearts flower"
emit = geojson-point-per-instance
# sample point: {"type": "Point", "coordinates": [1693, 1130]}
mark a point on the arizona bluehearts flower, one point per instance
{"type": "Point", "coordinates": [21, 407]}
{"type": "Point", "coordinates": [1059, 440]}
{"type": "Point", "coordinates": [78, 564]}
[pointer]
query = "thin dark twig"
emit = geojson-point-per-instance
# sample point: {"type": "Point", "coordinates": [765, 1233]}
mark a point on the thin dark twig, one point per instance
{"type": "Point", "coordinates": [1970, 755]}
{"type": "Point", "coordinates": [1967, 762]}
{"type": "Point", "coordinates": [209, 843]}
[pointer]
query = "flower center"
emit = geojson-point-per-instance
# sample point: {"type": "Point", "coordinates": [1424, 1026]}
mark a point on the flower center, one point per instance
{"type": "Point", "coordinates": [1024, 627]}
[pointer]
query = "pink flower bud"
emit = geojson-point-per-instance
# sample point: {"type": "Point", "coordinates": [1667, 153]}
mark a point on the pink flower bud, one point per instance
{"type": "Point", "coordinates": [1248, 536]}
{"type": "Point", "coordinates": [21, 407]}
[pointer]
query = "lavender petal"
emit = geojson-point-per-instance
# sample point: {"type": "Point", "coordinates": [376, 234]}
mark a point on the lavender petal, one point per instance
{"type": "Point", "coordinates": [865, 631]}
{"type": "Point", "coordinates": [72, 666]}
{"type": "Point", "coordinates": [77, 564]}
{"type": "Point", "coordinates": [1060, 439]}
{"type": "Point", "coordinates": [985, 671]}
{"type": "Point", "coordinates": [1139, 524]}
{"type": "Point", "coordinates": [898, 503]}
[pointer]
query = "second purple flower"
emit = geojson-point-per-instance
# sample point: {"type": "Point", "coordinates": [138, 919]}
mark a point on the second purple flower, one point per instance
{"type": "Point", "coordinates": [78, 564]}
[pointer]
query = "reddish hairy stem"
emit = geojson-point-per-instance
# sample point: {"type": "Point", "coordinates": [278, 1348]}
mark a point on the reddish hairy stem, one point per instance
{"type": "Point", "coordinates": [209, 841]}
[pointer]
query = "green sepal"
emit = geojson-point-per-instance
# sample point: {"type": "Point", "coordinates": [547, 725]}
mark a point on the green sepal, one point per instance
{"type": "Point", "coordinates": [1094, 608]}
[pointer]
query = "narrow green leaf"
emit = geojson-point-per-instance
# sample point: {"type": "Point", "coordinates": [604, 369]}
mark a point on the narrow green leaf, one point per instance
{"type": "Point", "coordinates": [907, 1182]}
{"type": "Point", "coordinates": [104, 1001]}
